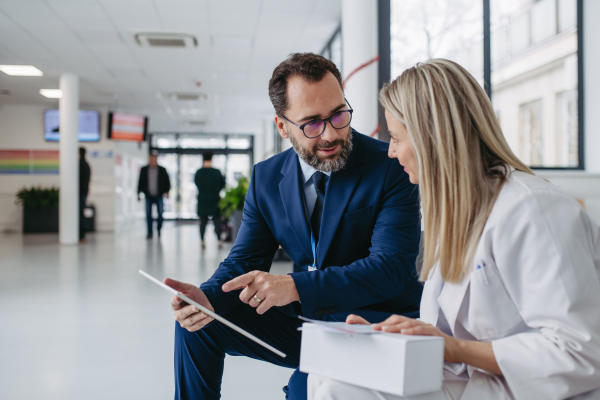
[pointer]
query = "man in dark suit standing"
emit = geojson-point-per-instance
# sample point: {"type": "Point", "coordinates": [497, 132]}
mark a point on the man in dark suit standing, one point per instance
{"type": "Point", "coordinates": [345, 213]}
{"type": "Point", "coordinates": [154, 183]}
{"type": "Point", "coordinates": [210, 182]}
{"type": "Point", "coordinates": [85, 174]}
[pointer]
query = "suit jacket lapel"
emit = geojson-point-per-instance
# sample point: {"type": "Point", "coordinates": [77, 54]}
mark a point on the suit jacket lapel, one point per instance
{"type": "Point", "coordinates": [339, 191]}
{"type": "Point", "coordinates": [292, 197]}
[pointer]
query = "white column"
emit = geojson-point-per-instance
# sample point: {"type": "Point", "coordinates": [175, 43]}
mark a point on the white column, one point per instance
{"type": "Point", "coordinates": [69, 160]}
{"type": "Point", "coordinates": [360, 45]}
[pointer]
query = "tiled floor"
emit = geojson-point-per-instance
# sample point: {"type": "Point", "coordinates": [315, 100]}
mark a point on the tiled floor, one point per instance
{"type": "Point", "coordinates": [79, 322]}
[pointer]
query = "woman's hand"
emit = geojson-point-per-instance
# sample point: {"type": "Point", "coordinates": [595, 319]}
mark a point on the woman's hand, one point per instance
{"type": "Point", "coordinates": [410, 326]}
{"type": "Point", "coordinates": [477, 354]}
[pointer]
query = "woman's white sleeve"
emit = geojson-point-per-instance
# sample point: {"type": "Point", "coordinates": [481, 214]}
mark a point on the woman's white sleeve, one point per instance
{"type": "Point", "coordinates": [546, 251]}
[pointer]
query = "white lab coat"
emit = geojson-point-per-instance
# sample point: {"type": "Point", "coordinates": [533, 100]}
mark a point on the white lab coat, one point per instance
{"type": "Point", "coordinates": [536, 298]}
{"type": "Point", "coordinates": [533, 292]}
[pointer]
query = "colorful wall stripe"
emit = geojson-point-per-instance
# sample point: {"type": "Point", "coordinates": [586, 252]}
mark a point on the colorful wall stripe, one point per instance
{"type": "Point", "coordinates": [15, 161]}
{"type": "Point", "coordinates": [29, 162]}
{"type": "Point", "coordinates": [44, 162]}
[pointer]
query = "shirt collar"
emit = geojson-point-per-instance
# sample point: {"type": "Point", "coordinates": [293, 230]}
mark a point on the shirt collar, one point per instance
{"type": "Point", "coordinates": [308, 171]}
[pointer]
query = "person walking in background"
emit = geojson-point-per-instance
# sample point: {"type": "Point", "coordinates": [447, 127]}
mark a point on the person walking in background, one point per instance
{"type": "Point", "coordinates": [210, 182]}
{"type": "Point", "coordinates": [85, 174]}
{"type": "Point", "coordinates": [154, 183]}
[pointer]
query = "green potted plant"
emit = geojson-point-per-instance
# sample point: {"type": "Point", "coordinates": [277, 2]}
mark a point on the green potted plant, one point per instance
{"type": "Point", "coordinates": [232, 204]}
{"type": "Point", "coordinates": [40, 209]}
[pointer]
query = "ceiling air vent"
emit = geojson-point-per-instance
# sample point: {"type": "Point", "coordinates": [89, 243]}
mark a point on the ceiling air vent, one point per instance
{"type": "Point", "coordinates": [197, 123]}
{"type": "Point", "coordinates": [185, 96]}
{"type": "Point", "coordinates": [166, 40]}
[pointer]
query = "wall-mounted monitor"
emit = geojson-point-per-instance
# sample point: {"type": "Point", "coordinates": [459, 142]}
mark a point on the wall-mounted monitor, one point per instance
{"type": "Point", "coordinates": [123, 126]}
{"type": "Point", "coordinates": [89, 126]}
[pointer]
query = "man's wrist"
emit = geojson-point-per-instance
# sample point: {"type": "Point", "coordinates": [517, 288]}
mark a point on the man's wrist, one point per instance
{"type": "Point", "coordinates": [294, 291]}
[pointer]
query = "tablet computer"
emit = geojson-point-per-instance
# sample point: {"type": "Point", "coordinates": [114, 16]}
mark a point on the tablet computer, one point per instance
{"type": "Point", "coordinates": [212, 314]}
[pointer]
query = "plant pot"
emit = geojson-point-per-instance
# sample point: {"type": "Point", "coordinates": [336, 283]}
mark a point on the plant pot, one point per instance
{"type": "Point", "coordinates": [236, 223]}
{"type": "Point", "coordinates": [42, 220]}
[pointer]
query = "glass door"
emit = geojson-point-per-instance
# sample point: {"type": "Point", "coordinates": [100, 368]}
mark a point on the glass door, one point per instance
{"type": "Point", "coordinates": [169, 161]}
{"type": "Point", "coordinates": [181, 155]}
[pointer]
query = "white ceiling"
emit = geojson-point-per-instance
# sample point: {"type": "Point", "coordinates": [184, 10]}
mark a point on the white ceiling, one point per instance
{"type": "Point", "coordinates": [239, 44]}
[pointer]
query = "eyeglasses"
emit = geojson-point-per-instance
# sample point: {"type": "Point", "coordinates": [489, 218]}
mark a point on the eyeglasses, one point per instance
{"type": "Point", "coordinates": [315, 128]}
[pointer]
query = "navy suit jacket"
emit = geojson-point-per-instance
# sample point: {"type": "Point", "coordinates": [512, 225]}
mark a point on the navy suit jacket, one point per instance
{"type": "Point", "coordinates": [369, 237]}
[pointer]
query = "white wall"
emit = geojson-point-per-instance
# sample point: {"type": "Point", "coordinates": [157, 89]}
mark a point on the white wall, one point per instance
{"type": "Point", "coordinates": [584, 186]}
{"type": "Point", "coordinates": [21, 127]}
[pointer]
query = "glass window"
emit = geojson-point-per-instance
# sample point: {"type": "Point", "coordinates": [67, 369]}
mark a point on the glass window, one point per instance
{"type": "Point", "coordinates": [189, 164]}
{"type": "Point", "coordinates": [238, 143]}
{"type": "Point", "coordinates": [164, 142]}
{"type": "Point", "coordinates": [531, 140]}
{"type": "Point", "coordinates": [335, 51]}
{"type": "Point", "coordinates": [567, 128]}
{"type": "Point", "coordinates": [238, 165]}
{"type": "Point", "coordinates": [452, 29]}
{"type": "Point", "coordinates": [170, 162]}
{"type": "Point", "coordinates": [202, 143]}
{"type": "Point", "coordinates": [534, 79]}
{"type": "Point", "coordinates": [567, 14]}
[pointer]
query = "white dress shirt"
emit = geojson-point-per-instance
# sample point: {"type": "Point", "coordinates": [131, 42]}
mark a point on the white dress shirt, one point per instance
{"type": "Point", "coordinates": [310, 193]}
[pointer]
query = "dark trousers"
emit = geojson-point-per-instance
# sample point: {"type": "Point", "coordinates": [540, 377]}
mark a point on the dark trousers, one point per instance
{"type": "Point", "coordinates": [216, 218]}
{"type": "Point", "coordinates": [158, 200]}
{"type": "Point", "coordinates": [82, 200]}
{"type": "Point", "coordinates": [200, 355]}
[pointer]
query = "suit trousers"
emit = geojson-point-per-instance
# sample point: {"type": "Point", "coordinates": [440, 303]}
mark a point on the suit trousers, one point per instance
{"type": "Point", "coordinates": [200, 355]}
{"type": "Point", "coordinates": [216, 218]}
{"type": "Point", "coordinates": [158, 200]}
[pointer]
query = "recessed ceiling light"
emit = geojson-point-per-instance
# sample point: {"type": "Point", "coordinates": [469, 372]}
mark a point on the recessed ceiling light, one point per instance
{"type": "Point", "coordinates": [21, 70]}
{"type": "Point", "coordinates": [51, 93]}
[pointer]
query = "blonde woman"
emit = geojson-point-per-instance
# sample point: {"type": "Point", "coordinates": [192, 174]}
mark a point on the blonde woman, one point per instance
{"type": "Point", "coordinates": [511, 264]}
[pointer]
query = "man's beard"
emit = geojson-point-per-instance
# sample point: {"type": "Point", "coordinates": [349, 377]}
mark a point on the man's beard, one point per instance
{"type": "Point", "coordinates": [331, 163]}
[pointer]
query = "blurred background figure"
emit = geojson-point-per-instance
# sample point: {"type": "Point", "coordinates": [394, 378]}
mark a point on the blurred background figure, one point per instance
{"type": "Point", "coordinates": [154, 183]}
{"type": "Point", "coordinates": [85, 173]}
{"type": "Point", "coordinates": [210, 182]}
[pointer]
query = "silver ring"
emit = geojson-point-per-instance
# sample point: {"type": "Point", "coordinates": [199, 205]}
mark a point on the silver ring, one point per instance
{"type": "Point", "coordinates": [257, 299]}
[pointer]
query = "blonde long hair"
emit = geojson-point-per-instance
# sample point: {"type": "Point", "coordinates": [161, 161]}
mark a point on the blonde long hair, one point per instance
{"type": "Point", "coordinates": [462, 154]}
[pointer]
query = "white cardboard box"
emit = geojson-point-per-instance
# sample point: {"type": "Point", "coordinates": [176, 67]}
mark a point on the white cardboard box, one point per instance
{"type": "Point", "coordinates": [387, 362]}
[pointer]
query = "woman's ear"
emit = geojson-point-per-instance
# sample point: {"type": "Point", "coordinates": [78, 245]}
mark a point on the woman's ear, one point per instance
{"type": "Point", "coordinates": [280, 124]}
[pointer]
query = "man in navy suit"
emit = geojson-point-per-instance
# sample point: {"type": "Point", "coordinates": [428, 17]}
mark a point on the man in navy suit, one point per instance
{"type": "Point", "coordinates": [344, 212]}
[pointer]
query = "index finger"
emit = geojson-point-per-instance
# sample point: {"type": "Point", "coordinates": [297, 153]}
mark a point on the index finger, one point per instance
{"type": "Point", "coordinates": [239, 282]}
{"type": "Point", "coordinates": [394, 319]}
{"type": "Point", "coordinates": [356, 319]}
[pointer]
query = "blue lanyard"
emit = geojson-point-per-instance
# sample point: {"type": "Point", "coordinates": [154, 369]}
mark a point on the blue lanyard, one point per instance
{"type": "Point", "coordinates": [314, 247]}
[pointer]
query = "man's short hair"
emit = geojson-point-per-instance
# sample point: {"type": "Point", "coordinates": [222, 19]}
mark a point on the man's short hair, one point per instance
{"type": "Point", "coordinates": [311, 67]}
{"type": "Point", "coordinates": [207, 156]}
{"type": "Point", "coordinates": [82, 152]}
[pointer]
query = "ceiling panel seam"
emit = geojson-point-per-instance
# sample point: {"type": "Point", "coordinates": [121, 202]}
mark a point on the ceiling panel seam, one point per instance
{"type": "Point", "coordinates": [31, 35]}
